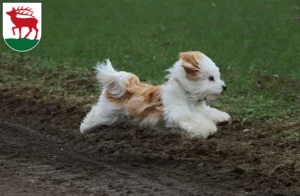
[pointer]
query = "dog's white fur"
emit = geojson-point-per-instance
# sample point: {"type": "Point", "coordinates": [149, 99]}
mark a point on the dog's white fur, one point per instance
{"type": "Point", "coordinates": [180, 102]}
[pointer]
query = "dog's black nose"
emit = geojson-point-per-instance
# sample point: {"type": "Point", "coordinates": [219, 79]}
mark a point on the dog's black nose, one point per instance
{"type": "Point", "coordinates": [224, 87]}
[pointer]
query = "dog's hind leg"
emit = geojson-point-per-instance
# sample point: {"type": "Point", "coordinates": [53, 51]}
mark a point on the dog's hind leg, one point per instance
{"type": "Point", "coordinates": [103, 113]}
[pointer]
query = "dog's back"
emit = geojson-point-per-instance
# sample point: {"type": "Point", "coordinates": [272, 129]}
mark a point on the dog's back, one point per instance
{"type": "Point", "coordinates": [142, 101]}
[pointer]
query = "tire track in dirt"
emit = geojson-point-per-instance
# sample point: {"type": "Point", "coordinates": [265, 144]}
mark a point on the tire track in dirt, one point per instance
{"type": "Point", "coordinates": [27, 141]}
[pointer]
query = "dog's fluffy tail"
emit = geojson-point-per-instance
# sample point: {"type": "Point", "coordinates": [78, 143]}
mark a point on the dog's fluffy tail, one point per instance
{"type": "Point", "coordinates": [112, 80]}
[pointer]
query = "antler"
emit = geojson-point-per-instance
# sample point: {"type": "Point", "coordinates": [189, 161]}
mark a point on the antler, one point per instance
{"type": "Point", "coordinates": [25, 11]}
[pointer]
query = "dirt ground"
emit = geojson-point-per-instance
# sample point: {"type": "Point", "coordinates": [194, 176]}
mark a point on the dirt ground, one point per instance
{"type": "Point", "coordinates": [43, 153]}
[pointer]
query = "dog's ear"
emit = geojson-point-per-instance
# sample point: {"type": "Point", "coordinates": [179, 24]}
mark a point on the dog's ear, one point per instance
{"type": "Point", "coordinates": [191, 64]}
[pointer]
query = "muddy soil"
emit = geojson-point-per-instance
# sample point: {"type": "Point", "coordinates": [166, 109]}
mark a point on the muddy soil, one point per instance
{"type": "Point", "coordinates": [43, 153]}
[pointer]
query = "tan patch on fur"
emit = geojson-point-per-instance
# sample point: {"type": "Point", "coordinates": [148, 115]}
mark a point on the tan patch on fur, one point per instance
{"type": "Point", "coordinates": [143, 101]}
{"type": "Point", "coordinates": [190, 64]}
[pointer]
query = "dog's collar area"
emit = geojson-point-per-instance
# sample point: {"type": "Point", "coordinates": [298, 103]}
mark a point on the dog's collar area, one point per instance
{"type": "Point", "coordinates": [188, 93]}
{"type": "Point", "coordinates": [201, 100]}
{"type": "Point", "coordinates": [182, 87]}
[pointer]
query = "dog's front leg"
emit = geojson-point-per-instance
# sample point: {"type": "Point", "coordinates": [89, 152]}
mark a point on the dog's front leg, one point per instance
{"type": "Point", "coordinates": [213, 114]}
{"type": "Point", "coordinates": [196, 124]}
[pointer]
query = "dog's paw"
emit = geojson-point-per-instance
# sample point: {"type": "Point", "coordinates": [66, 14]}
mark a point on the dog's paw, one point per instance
{"type": "Point", "coordinates": [203, 130]}
{"type": "Point", "coordinates": [198, 135]}
{"type": "Point", "coordinates": [223, 117]}
{"type": "Point", "coordinates": [211, 129]}
{"type": "Point", "coordinates": [203, 134]}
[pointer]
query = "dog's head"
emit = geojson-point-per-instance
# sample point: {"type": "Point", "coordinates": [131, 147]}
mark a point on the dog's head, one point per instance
{"type": "Point", "coordinates": [201, 75]}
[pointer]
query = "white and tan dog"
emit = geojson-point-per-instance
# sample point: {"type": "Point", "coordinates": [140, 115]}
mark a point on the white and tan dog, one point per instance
{"type": "Point", "coordinates": [180, 102]}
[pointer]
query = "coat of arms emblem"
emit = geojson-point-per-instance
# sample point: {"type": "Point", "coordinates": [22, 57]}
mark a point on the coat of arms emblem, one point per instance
{"type": "Point", "coordinates": [22, 25]}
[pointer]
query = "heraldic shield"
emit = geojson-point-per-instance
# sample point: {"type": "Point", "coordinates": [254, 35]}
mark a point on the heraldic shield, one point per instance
{"type": "Point", "coordinates": [22, 25]}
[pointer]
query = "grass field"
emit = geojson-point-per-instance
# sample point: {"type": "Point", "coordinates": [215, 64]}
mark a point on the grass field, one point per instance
{"type": "Point", "coordinates": [256, 44]}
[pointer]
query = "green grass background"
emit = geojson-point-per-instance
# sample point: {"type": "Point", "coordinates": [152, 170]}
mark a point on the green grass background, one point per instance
{"type": "Point", "coordinates": [255, 43]}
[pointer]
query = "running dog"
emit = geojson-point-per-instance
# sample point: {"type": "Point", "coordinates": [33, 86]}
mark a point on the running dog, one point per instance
{"type": "Point", "coordinates": [180, 102]}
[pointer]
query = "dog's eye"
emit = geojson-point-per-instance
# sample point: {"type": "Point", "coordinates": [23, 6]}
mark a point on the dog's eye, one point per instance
{"type": "Point", "coordinates": [211, 78]}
